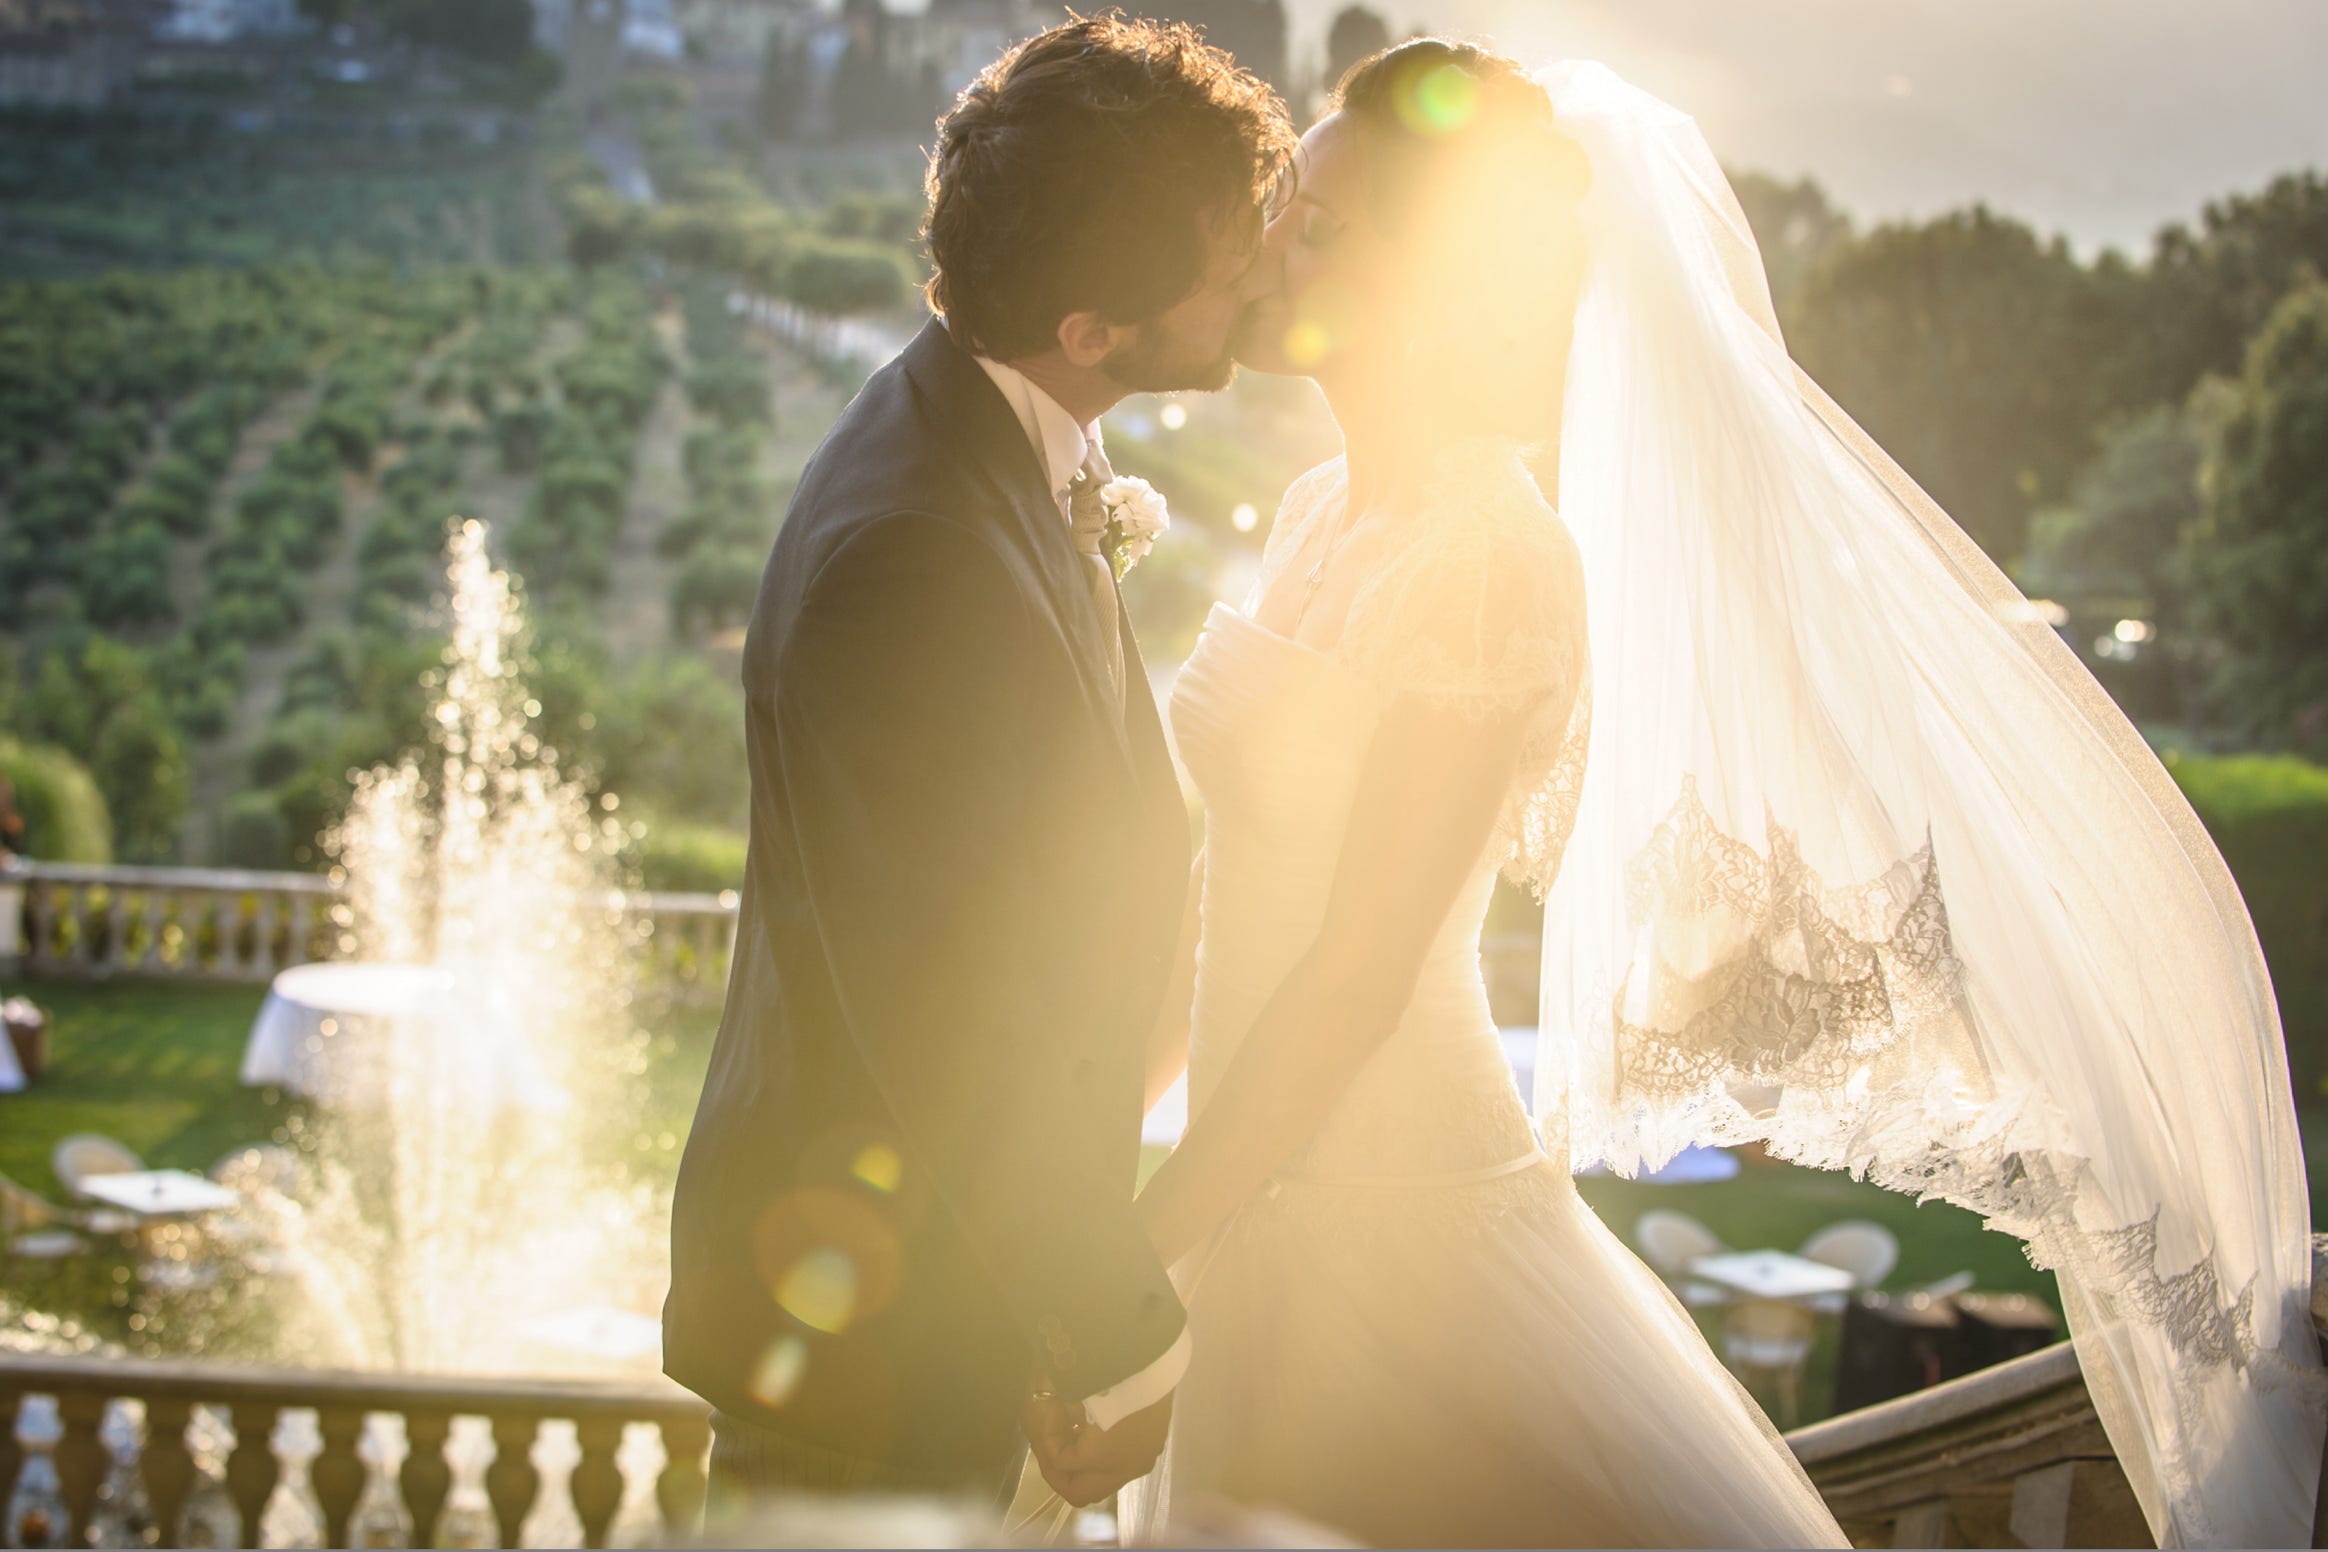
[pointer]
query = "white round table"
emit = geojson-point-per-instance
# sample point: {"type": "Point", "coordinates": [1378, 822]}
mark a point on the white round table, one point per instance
{"type": "Point", "coordinates": [297, 1034]}
{"type": "Point", "coordinates": [324, 1034]}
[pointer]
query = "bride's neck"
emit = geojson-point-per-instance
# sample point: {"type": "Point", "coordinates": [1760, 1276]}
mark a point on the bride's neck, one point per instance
{"type": "Point", "coordinates": [1393, 441]}
{"type": "Point", "coordinates": [1386, 441]}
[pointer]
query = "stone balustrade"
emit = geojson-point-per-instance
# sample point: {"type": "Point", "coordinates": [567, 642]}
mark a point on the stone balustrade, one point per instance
{"type": "Point", "coordinates": [662, 1509]}
{"type": "Point", "coordinates": [198, 923]}
{"type": "Point", "coordinates": [220, 924]}
{"type": "Point", "coordinates": [224, 925]}
{"type": "Point", "coordinates": [2010, 1456]}
{"type": "Point", "coordinates": [691, 940]}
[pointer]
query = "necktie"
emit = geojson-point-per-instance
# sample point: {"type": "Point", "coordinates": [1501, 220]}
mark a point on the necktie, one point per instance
{"type": "Point", "coordinates": [1087, 518]}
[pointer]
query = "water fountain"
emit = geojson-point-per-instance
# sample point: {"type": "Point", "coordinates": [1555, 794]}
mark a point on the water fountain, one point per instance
{"type": "Point", "coordinates": [466, 1205]}
{"type": "Point", "coordinates": [464, 1197]}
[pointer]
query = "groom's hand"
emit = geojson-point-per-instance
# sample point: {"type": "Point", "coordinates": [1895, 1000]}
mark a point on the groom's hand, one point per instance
{"type": "Point", "coordinates": [1084, 1464]}
{"type": "Point", "coordinates": [1051, 1426]}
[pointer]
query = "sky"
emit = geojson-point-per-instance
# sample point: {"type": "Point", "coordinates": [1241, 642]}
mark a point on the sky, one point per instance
{"type": "Point", "coordinates": [2102, 119]}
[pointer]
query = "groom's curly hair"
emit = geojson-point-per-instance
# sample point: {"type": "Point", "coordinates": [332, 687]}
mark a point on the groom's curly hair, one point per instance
{"type": "Point", "coordinates": [1079, 171]}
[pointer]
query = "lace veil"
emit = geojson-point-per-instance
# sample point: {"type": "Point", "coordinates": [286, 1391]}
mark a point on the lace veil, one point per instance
{"type": "Point", "coordinates": [1865, 866]}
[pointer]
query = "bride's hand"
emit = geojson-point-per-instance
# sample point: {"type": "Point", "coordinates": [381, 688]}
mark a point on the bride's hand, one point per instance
{"type": "Point", "coordinates": [1096, 1462]}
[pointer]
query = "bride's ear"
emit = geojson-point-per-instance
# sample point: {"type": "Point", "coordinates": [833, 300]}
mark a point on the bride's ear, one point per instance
{"type": "Point", "coordinates": [1086, 339]}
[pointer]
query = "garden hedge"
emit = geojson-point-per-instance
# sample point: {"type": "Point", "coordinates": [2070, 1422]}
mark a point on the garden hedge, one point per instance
{"type": "Point", "coordinates": [65, 819]}
{"type": "Point", "coordinates": [690, 858]}
{"type": "Point", "coordinates": [2269, 814]}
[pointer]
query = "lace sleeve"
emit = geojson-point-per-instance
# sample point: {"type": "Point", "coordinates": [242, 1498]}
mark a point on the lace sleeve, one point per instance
{"type": "Point", "coordinates": [1297, 512]}
{"type": "Point", "coordinates": [1477, 606]}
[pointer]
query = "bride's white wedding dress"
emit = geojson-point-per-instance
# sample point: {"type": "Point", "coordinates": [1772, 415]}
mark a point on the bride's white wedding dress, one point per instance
{"type": "Point", "coordinates": [1864, 866]}
{"type": "Point", "coordinates": [1419, 1334]}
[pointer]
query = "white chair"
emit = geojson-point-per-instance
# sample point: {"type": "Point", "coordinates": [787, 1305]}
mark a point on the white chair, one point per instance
{"type": "Point", "coordinates": [1868, 1251]}
{"type": "Point", "coordinates": [1946, 1287]}
{"type": "Point", "coordinates": [85, 1155]}
{"type": "Point", "coordinates": [1671, 1242]}
{"type": "Point", "coordinates": [32, 1229]}
{"type": "Point", "coordinates": [1773, 1337]}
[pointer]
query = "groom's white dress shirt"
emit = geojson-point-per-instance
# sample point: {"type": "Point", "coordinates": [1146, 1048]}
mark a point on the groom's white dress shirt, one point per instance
{"type": "Point", "coordinates": [1064, 448]}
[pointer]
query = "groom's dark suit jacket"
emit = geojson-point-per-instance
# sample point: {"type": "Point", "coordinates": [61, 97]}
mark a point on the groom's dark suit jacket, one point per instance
{"type": "Point", "coordinates": [910, 1178]}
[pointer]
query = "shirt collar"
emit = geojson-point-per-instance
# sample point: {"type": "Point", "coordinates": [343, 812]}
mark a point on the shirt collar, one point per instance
{"type": "Point", "coordinates": [1059, 442]}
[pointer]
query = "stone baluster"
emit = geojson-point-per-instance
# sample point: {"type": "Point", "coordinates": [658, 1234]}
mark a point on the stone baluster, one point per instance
{"type": "Point", "coordinates": [597, 1481]}
{"type": "Point", "coordinates": [338, 1474]}
{"type": "Point", "coordinates": [263, 959]}
{"type": "Point", "coordinates": [150, 919]}
{"type": "Point", "coordinates": [1926, 1524]}
{"type": "Point", "coordinates": [426, 1476]}
{"type": "Point", "coordinates": [81, 1455]}
{"type": "Point", "coordinates": [39, 923]}
{"type": "Point", "coordinates": [116, 929]}
{"type": "Point", "coordinates": [512, 1480]}
{"type": "Point", "coordinates": [11, 1453]}
{"type": "Point", "coordinates": [167, 1463]}
{"type": "Point", "coordinates": [679, 1490]}
{"type": "Point", "coordinates": [225, 913]}
{"type": "Point", "coordinates": [72, 926]}
{"type": "Point", "coordinates": [51, 902]}
{"type": "Point", "coordinates": [302, 931]}
{"type": "Point", "coordinates": [208, 945]}
{"type": "Point", "coordinates": [252, 1469]}
{"type": "Point", "coordinates": [75, 920]}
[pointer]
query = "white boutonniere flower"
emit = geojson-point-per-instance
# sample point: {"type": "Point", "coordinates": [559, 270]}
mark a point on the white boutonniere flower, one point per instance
{"type": "Point", "coordinates": [1136, 519]}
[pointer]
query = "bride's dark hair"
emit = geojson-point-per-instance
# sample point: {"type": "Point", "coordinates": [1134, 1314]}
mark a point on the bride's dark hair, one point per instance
{"type": "Point", "coordinates": [1467, 166]}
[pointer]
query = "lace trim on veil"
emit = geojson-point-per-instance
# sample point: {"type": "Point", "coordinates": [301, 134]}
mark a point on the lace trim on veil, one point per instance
{"type": "Point", "coordinates": [1830, 1025]}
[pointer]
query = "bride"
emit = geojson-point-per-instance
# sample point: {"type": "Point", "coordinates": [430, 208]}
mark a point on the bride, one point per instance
{"type": "Point", "coordinates": [1840, 851]}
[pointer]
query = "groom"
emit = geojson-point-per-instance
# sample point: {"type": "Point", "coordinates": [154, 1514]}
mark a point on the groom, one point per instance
{"type": "Point", "coordinates": [903, 1231]}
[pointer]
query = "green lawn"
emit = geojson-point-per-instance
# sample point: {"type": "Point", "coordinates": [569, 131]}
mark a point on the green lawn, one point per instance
{"type": "Point", "coordinates": [148, 1062]}
{"type": "Point", "coordinates": [155, 1064]}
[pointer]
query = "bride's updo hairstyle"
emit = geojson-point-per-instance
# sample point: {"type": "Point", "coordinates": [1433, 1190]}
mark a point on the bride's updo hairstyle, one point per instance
{"type": "Point", "coordinates": [1469, 172]}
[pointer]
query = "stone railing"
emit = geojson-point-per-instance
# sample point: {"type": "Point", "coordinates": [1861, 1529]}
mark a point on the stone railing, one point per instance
{"type": "Point", "coordinates": [197, 923]}
{"type": "Point", "coordinates": [215, 924]}
{"type": "Point", "coordinates": [2010, 1456]}
{"type": "Point", "coordinates": [223, 925]}
{"type": "Point", "coordinates": [601, 1484]}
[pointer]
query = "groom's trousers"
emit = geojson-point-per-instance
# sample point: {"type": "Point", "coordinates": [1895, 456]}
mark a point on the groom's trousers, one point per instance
{"type": "Point", "coordinates": [750, 1464]}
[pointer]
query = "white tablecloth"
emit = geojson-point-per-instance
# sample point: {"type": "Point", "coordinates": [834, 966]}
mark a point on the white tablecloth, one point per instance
{"type": "Point", "coordinates": [160, 1193]}
{"type": "Point", "coordinates": [322, 1034]}
{"type": "Point", "coordinates": [1772, 1274]}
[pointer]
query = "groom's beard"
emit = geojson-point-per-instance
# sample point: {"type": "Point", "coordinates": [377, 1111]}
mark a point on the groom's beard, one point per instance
{"type": "Point", "coordinates": [1147, 365]}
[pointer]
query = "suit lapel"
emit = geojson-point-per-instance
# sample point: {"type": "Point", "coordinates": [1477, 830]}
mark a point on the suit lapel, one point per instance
{"type": "Point", "coordinates": [1143, 727]}
{"type": "Point", "coordinates": [1155, 822]}
{"type": "Point", "coordinates": [985, 429]}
